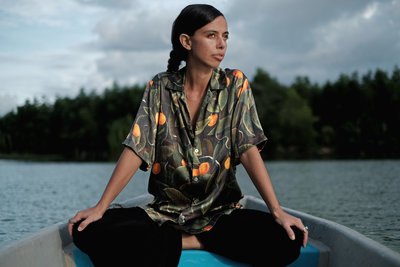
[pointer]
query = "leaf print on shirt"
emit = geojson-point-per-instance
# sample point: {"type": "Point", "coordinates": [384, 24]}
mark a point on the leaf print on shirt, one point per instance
{"type": "Point", "coordinates": [176, 196]}
{"type": "Point", "coordinates": [181, 176]}
{"type": "Point", "coordinates": [244, 87]}
{"type": "Point", "coordinates": [223, 99]}
{"type": "Point", "coordinates": [220, 128]}
{"type": "Point", "coordinates": [222, 144]}
{"type": "Point", "coordinates": [193, 170]}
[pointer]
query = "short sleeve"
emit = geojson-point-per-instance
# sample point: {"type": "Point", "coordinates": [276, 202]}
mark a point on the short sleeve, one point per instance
{"type": "Point", "coordinates": [142, 135]}
{"type": "Point", "coordinates": [246, 127]}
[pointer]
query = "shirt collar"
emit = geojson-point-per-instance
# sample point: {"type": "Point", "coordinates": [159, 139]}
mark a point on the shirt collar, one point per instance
{"type": "Point", "coordinates": [218, 80]}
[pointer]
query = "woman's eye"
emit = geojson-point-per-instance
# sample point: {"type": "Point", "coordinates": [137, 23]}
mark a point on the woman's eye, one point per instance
{"type": "Point", "coordinates": [211, 35]}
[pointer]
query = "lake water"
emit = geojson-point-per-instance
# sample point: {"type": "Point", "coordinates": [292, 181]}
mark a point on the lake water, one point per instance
{"type": "Point", "coordinates": [363, 195]}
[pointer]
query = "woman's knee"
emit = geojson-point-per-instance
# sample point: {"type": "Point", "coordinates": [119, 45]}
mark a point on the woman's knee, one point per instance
{"type": "Point", "coordinates": [293, 247]}
{"type": "Point", "coordinates": [81, 238]}
{"type": "Point", "coordinates": [280, 248]}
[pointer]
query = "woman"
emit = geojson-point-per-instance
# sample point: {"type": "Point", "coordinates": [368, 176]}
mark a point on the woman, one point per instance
{"type": "Point", "coordinates": [193, 127]}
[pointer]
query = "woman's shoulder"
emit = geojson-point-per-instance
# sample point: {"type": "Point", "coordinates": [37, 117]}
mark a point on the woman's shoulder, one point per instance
{"type": "Point", "coordinates": [235, 74]}
{"type": "Point", "coordinates": [236, 80]}
{"type": "Point", "coordinates": [160, 76]}
{"type": "Point", "coordinates": [165, 79]}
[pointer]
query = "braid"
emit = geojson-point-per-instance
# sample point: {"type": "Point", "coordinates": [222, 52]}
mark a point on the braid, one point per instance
{"type": "Point", "coordinates": [174, 61]}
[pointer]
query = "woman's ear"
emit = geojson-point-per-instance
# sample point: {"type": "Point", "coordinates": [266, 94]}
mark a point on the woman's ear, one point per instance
{"type": "Point", "coordinates": [185, 41]}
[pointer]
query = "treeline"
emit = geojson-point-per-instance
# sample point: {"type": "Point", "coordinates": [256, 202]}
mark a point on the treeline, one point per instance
{"type": "Point", "coordinates": [87, 127]}
{"type": "Point", "coordinates": [353, 117]}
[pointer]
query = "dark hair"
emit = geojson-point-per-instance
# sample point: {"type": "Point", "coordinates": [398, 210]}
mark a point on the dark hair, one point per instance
{"type": "Point", "coordinates": [191, 18]}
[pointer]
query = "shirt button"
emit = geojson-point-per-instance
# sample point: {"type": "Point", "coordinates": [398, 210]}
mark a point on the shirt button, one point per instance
{"type": "Point", "coordinates": [196, 179]}
{"type": "Point", "coordinates": [196, 150]}
{"type": "Point", "coordinates": [181, 219]}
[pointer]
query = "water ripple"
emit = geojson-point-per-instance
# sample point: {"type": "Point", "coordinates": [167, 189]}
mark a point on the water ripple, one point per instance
{"type": "Point", "coordinates": [363, 195]}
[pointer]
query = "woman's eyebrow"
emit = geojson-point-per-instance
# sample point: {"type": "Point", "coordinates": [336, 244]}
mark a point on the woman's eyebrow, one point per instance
{"type": "Point", "coordinates": [215, 31]}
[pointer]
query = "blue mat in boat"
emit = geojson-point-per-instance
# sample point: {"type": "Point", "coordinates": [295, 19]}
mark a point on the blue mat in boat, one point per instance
{"type": "Point", "coordinates": [197, 258]}
{"type": "Point", "coordinates": [309, 257]}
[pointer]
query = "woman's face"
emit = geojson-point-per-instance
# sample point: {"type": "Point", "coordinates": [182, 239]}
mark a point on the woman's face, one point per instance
{"type": "Point", "coordinates": [208, 44]}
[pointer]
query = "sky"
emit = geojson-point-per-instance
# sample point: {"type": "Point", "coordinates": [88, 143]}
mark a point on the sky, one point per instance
{"type": "Point", "coordinates": [51, 49]}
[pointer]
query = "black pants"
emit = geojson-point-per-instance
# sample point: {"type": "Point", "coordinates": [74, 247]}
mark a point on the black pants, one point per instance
{"type": "Point", "coordinates": [128, 237]}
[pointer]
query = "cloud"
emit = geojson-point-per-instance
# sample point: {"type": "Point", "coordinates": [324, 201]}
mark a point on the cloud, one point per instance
{"type": "Point", "coordinates": [55, 47]}
{"type": "Point", "coordinates": [135, 43]}
{"type": "Point", "coordinates": [319, 39]}
{"type": "Point", "coordinates": [134, 31]}
{"type": "Point", "coordinates": [360, 41]}
{"type": "Point", "coordinates": [123, 4]}
{"type": "Point", "coordinates": [42, 12]}
{"type": "Point", "coordinates": [59, 73]}
{"type": "Point", "coordinates": [132, 67]}
{"type": "Point", "coordinates": [8, 103]}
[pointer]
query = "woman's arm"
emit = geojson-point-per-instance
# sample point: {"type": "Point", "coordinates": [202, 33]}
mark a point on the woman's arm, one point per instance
{"type": "Point", "coordinates": [255, 167]}
{"type": "Point", "coordinates": [126, 167]}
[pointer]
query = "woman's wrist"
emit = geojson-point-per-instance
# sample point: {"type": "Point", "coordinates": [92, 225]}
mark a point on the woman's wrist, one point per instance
{"type": "Point", "coordinates": [102, 207]}
{"type": "Point", "coordinates": [276, 212]}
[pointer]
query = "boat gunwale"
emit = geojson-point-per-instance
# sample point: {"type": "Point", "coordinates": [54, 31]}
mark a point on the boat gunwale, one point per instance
{"type": "Point", "coordinates": [345, 244]}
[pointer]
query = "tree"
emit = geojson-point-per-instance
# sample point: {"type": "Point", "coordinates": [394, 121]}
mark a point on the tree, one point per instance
{"type": "Point", "coordinates": [296, 124]}
{"type": "Point", "coordinates": [269, 95]}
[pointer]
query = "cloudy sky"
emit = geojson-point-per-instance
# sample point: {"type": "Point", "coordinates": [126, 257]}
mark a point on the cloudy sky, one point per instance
{"type": "Point", "coordinates": [53, 48]}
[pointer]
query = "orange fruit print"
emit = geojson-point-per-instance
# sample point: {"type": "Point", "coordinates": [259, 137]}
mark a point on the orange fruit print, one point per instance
{"type": "Point", "coordinates": [213, 119]}
{"type": "Point", "coordinates": [156, 168]}
{"type": "Point", "coordinates": [136, 130]}
{"type": "Point", "coordinates": [238, 74]}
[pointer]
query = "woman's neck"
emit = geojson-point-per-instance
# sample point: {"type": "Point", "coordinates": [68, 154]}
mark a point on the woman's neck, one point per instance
{"type": "Point", "coordinates": [196, 82]}
{"type": "Point", "coordinates": [197, 78]}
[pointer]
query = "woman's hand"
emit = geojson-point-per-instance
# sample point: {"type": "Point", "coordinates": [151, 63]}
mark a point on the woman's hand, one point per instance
{"type": "Point", "coordinates": [127, 165]}
{"type": "Point", "coordinates": [286, 221]}
{"type": "Point", "coordinates": [255, 167]}
{"type": "Point", "coordinates": [89, 215]}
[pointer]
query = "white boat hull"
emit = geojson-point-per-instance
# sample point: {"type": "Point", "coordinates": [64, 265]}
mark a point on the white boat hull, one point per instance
{"type": "Point", "coordinates": [337, 244]}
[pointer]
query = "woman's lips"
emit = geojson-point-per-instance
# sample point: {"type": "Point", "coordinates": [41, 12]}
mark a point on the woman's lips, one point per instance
{"type": "Point", "coordinates": [219, 57]}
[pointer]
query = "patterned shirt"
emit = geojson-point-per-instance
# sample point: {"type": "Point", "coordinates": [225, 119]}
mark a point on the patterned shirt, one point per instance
{"type": "Point", "coordinates": [193, 170]}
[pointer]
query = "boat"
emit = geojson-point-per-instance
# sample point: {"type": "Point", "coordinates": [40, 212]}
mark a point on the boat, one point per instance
{"type": "Point", "coordinates": [330, 244]}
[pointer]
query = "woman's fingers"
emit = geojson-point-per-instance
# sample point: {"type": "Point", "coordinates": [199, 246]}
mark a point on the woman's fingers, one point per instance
{"type": "Point", "coordinates": [92, 218]}
{"type": "Point", "coordinates": [299, 224]}
{"type": "Point", "coordinates": [83, 224]}
{"type": "Point", "coordinates": [88, 216]}
{"type": "Point", "coordinates": [290, 232]}
{"type": "Point", "coordinates": [286, 220]}
{"type": "Point", "coordinates": [305, 238]}
{"type": "Point", "coordinates": [74, 220]}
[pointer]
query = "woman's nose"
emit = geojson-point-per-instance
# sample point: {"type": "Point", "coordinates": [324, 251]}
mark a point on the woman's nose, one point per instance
{"type": "Point", "coordinates": [221, 44]}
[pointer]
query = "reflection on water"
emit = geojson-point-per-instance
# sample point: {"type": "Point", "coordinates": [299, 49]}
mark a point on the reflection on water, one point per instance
{"type": "Point", "coordinates": [363, 195]}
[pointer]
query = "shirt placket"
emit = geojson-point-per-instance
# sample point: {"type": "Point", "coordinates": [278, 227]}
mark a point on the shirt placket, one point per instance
{"type": "Point", "coordinates": [189, 148]}
{"type": "Point", "coordinates": [197, 144]}
{"type": "Point", "coordinates": [195, 151]}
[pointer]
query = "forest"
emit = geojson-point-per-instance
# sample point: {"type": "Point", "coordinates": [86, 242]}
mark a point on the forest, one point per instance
{"type": "Point", "coordinates": [355, 117]}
